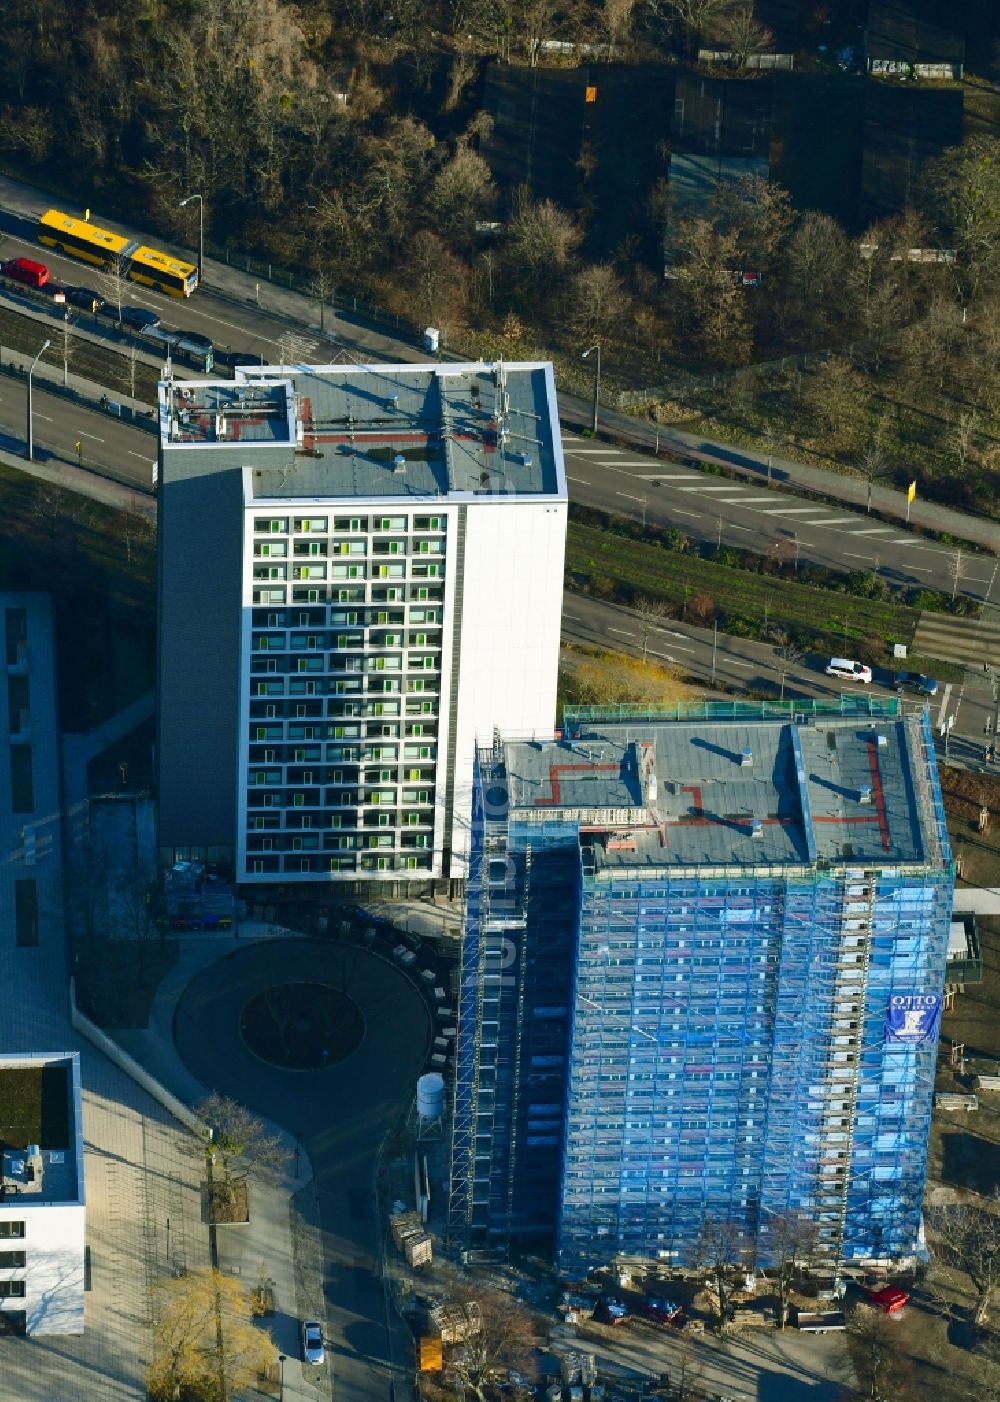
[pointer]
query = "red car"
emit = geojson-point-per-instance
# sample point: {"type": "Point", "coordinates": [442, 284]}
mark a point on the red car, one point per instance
{"type": "Point", "coordinates": [26, 270]}
{"type": "Point", "coordinates": [890, 1299]}
{"type": "Point", "coordinates": [660, 1311]}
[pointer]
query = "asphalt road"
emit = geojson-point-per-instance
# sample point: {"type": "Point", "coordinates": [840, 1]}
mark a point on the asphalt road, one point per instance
{"type": "Point", "coordinates": [741, 665]}
{"type": "Point", "coordinates": [339, 1113]}
{"type": "Point", "coordinates": [767, 520]}
{"type": "Point", "coordinates": [109, 446]}
{"type": "Point", "coordinates": [752, 515]}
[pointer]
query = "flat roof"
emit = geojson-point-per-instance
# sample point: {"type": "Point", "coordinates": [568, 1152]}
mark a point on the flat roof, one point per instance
{"type": "Point", "coordinates": [369, 431]}
{"type": "Point", "coordinates": [40, 1133]}
{"type": "Point", "coordinates": [736, 792]}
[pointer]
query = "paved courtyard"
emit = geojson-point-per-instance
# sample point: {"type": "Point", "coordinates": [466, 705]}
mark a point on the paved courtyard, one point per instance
{"type": "Point", "coordinates": [137, 1173]}
{"type": "Point", "coordinates": [339, 1113]}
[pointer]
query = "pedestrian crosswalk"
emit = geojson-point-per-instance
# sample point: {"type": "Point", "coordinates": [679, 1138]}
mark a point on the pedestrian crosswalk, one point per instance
{"type": "Point", "coordinates": [737, 494]}
{"type": "Point", "coordinates": [970, 641]}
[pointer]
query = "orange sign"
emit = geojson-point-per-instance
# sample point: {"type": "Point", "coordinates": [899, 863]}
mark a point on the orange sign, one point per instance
{"type": "Point", "coordinates": [590, 94]}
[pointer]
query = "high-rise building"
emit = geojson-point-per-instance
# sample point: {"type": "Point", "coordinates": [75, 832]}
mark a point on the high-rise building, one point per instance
{"type": "Point", "coordinates": [360, 568]}
{"type": "Point", "coordinates": [702, 976]}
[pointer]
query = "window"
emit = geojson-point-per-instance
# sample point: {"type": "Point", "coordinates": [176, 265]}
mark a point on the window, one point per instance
{"type": "Point", "coordinates": [11, 1259]}
{"type": "Point", "coordinates": [11, 1289]}
{"type": "Point", "coordinates": [26, 913]}
{"type": "Point", "coordinates": [11, 1229]}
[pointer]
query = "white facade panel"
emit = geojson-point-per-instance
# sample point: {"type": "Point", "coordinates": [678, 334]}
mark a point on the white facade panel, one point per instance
{"type": "Point", "coordinates": [511, 621]}
{"type": "Point", "coordinates": [53, 1246]}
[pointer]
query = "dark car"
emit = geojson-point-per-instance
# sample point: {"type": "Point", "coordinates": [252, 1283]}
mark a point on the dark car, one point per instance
{"type": "Point", "coordinates": [138, 318]}
{"type": "Point", "coordinates": [916, 681]}
{"type": "Point", "coordinates": [233, 358]}
{"type": "Point", "coordinates": [611, 1311]}
{"type": "Point", "coordinates": [83, 297]}
{"type": "Point", "coordinates": [660, 1311]}
{"type": "Point", "coordinates": [195, 338]}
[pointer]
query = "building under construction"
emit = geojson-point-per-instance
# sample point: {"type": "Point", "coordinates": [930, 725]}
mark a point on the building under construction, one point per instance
{"type": "Point", "coordinates": [701, 983]}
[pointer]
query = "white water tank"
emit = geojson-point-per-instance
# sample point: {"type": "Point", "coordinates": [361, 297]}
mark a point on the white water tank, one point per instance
{"type": "Point", "coordinates": [430, 1096]}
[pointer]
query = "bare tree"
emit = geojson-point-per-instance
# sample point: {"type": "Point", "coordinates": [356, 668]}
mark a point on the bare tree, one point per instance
{"type": "Point", "coordinates": [880, 1365]}
{"type": "Point", "coordinates": [722, 1250]}
{"type": "Point", "coordinates": [787, 1239]}
{"type": "Point", "coordinates": [322, 285]}
{"type": "Point", "coordinates": [963, 436]}
{"type": "Point", "coordinates": [968, 1238]}
{"type": "Point", "coordinates": [738, 30]}
{"type": "Point", "coordinates": [112, 281]}
{"type": "Point", "coordinates": [239, 1142]}
{"type": "Point", "coordinates": [507, 1339]}
{"type": "Point", "coordinates": [439, 283]}
{"type": "Point", "coordinates": [651, 613]}
{"type": "Point", "coordinates": [597, 301]}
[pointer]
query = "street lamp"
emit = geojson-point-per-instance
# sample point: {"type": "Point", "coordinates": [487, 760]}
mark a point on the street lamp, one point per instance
{"type": "Point", "coordinates": [281, 1376]}
{"type": "Point", "coordinates": [597, 380]}
{"type": "Point", "coordinates": [31, 371]}
{"type": "Point", "coordinates": [201, 231]}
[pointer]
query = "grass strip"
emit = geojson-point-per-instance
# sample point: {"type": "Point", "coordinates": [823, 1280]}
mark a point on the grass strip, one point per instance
{"type": "Point", "coordinates": [742, 600]}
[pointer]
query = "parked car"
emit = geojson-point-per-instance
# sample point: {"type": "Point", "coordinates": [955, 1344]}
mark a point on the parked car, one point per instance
{"type": "Point", "coordinates": [848, 670]}
{"type": "Point", "coordinates": [312, 1342]}
{"type": "Point", "coordinates": [660, 1311]}
{"type": "Point", "coordinates": [890, 1299]}
{"type": "Point", "coordinates": [25, 270]}
{"type": "Point", "coordinates": [138, 318]}
{"type": "Point", "coordinates": [195, 338]}
{"type": "Point", "coordinates": [608, 1310]}
{"type": "Point", "coordinates": [916, 681]}
{"type": "Point", "coordinates": [83, 297]}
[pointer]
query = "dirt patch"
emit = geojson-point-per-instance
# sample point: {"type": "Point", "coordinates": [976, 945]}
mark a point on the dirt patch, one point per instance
{"type": "Point", "coordinates": [978, 853]}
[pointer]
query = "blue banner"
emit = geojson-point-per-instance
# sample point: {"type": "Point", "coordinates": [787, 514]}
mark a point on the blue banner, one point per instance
{"type": "Point", "coordinates": [913, 1017]}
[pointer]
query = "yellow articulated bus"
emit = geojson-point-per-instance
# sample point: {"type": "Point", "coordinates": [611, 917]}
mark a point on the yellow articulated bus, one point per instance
{"type": "Point", "coordinates": [140, 263]}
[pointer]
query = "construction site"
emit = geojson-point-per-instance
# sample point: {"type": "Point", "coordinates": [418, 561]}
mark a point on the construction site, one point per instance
{"type": "Point", "coordinates": [702, 979]}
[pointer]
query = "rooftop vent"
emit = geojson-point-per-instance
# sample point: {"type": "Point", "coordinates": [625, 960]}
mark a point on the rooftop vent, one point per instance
{"type": "Point", "coordinates": [746, 760]}
{"type": "Point", "coordinates": [757, 828]}
{"type": "Point", "coordinates": [881, 741]}
{"type": "Point", "coordinates": [392, 400]}
{"type": "Point", "coordinates": [399, 463]}
{"type": "Point", "coordinates": [865, 796]}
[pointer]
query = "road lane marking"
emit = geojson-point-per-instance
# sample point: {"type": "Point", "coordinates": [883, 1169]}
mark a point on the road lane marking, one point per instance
{"type": "Point", "coordinates": [944, 704]}
{"type": "Point", "coordinates": [582, 480]}
{"type": "Point", "coordinates": [572, 617]}
{"type": "Point", "coordinates": [851, 556]}
{"type": "Point", "coordinates": [789, 511]}
{"type": "Point", "coordinates": [624, 632]}
{"type": "Point", "coordinates": [37, 415]}
{"type": "Point", "coordinates": [827, 521]}
{"type": "Point", "coordinates": [706, 487]}
{"type": "Point", "coordinates": [589, 452]}
{"type": "Point", "coordinates": [670, 476]}
{"type": "Point", "coordinates": [735, 662]}
{"type": "Point", "coordinates": [872, 530]}
{"type": "Point", "coordinates": [741, 501]}
{"type": "Point", "coordinates": [665, 655]}
{"type": "Point", "coordinates": [747, 501]}
{"type": "Point", "coordinates": [732, 526]}
{"type": "Point", "coordinates": [629, 496]}
{"type": "Point", "coordinates": [93, 436]}
{"type": "Point", "coordinates": [687, 513]}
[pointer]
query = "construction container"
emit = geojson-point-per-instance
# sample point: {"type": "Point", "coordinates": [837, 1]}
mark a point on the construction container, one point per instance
{"type": "Point", "coordinates": [402, 1224]}
{"type": "Point", "coordinates": [456, 1323]}
{"type": "Point", "coordinates": [418, 1249]}
{"type": "Point", "coordinates": [430, 1355]}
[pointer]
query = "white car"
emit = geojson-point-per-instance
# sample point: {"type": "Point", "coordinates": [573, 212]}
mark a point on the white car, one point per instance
{"type": "Point", "coordinates": [312, 1342]}
{"type": "Point", "coordinates": [848, 671]}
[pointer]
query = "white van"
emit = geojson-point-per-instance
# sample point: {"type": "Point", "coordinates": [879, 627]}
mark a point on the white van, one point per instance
{"type": "Point", "coordinates": [848, 671]}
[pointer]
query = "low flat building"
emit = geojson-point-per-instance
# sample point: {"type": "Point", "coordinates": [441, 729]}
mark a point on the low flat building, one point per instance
{"type": "Point", "coordinates": [42, 1202]}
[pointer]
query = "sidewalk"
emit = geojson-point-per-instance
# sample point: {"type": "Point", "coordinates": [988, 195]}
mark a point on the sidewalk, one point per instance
{"type": "Point", "coordinates": [281, 1243]}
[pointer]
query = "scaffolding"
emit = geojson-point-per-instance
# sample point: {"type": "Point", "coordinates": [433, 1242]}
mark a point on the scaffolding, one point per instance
{"type": "Point", "coordinates": [649, 1046]}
